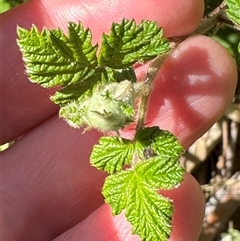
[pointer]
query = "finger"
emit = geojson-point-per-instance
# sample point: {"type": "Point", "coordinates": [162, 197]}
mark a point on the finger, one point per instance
{"type": "Point", "coordinates": [193, 88]}
{"type": "Point", "coordinates": [26, 105]}
{"type": "Point", "coordinates": [48, 183]}
{"type": "Point", "coordinates": [98, 15]}
{"type": "Point", "coordinates": [189, 212]}
{"type": "Point", "coordinates": [54, 158]}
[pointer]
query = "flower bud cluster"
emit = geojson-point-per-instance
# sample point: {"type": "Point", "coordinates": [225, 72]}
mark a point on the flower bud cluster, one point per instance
{"type": "Point", "coordinates": [111, 107]}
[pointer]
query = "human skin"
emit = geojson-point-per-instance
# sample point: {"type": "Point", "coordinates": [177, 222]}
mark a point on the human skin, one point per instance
{"type": "Point", "coordinates": [49, 190]}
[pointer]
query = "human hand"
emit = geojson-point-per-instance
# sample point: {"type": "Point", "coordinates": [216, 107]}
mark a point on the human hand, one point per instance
{"type": "Point", "coordinates": [49, 188]}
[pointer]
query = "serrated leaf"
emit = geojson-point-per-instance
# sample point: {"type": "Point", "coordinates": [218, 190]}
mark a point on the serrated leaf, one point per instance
{"type": "Point", "coordinates": [161, 142]}
{"type": "Point", "coordinates": [60, 44]}
{"type": "Point", "coordinates": [129, 43]}
{"type": "Point", "coordinates": [70, 61]}
{"type": "Point", "coordinates": [153, 164]}
{"type": "Point", "coordinates": [233, 12]}
{"type": "Point", "coordinates": [53, 59]}
{"type": "Point", "coordinates": [77, 91]}
{"type": "Point", "coordinates": [81, 43]}
{"type": "Point", "coordinates": [111, 154]}
{"type": "Point", "coordinates": [167, 150]}
{"type": "Point", "coordinates": [135, 192]}
{"type": "Point", "coordinates": [166, 145]}
{"type": "Point", "coordinates": [161, 172]}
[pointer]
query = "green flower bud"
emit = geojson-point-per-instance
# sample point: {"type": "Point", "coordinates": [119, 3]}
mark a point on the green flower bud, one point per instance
{"type": "Point", "coordinates": [111, 107]}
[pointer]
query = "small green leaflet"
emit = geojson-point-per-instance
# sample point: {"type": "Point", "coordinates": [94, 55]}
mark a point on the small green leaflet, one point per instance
{"type": "Point", "coordinates": [71, 62]}
{"type": "Point", "coordinates": [162, 142]}
{"type": "Point", "coordinates": [151, 163]}
{"type": "Point", "coordinates": [129, 43]}
{"type": "Point", "coordinates": [233, 12]}
{"type": "Point", "coordinates": [53, 59]}
{"type": "Point", "coordinates": [149, 213]}
{"type": "Point", "coordinates": [111, 154]}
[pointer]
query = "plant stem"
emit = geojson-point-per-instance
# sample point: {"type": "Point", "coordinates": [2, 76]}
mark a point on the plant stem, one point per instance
{"type": "Point", "coordinates": [210, 24]}
{"type": "Point", "coordinates": [147, 86]}
{"type": "Point", "coordinates": [212, 21]}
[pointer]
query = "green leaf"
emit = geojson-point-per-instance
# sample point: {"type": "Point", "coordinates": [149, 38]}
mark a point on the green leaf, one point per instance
{"type": "Point", "coordinates": [129, 43]}
{"type": "Point", "coordinates": [147, 140]}
{"type": "Point", "coordinates": [166, 145]}
{"type": "Point", "coordinates": [160, 172]}
{"type": "Point", "coordinates": [161, 142]}
{"type": "Point", "coordinates": [77, 91]}
{"type": "Point", "coordinates": [53, 59]}
{"type": "Point", "coordinates": [233, 12]}
{"type": "Point", "coordinates": [81, 43]}
{"type": "Point", "coordinates": [166, 148]}
{"type": "Point", "coordinates": [152, 162]}
{"type": "Point", "coordinates": [136, 192]}
{"type": "Point", "coordinates": [70, 61]}
{"type": "Point", "coordinates": [111, 154]}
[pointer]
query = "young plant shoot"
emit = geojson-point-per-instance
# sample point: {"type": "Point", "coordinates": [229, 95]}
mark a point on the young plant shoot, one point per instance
{"type": "Point", "coordinates": [97, 88]}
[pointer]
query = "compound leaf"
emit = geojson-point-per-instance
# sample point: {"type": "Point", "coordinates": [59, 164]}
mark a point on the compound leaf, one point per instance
{"type": "Point", "coordinates": [112, 154]}
{"type": "Point", "coordinates": [135, 192]}
{"type": "Point", "coordinates": [71, 62]}
{"type": "Point", "coordinates": [129, 43]}
{"type": "Point", "coordinates": [233, 12]}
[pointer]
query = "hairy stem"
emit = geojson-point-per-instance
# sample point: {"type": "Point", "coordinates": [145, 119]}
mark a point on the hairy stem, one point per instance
{"type": "Point", "coordinates": [147, 86]}
{"type": "Point", "coordinates": [211, 23]}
